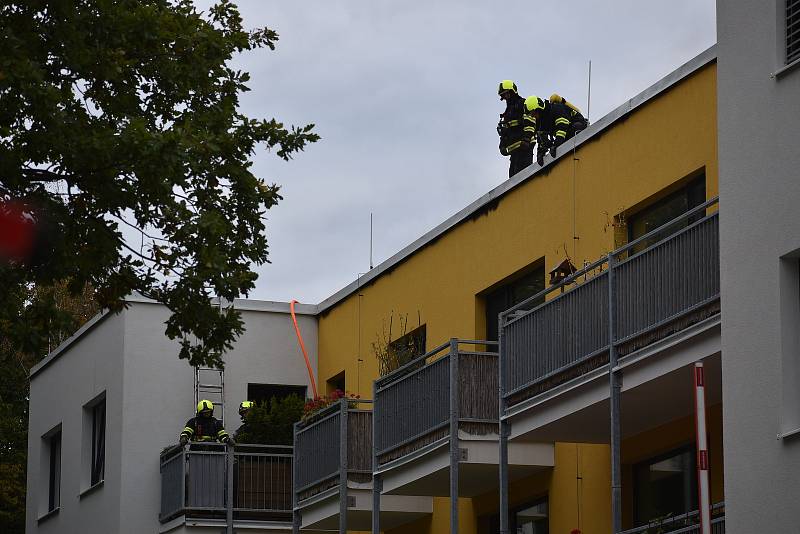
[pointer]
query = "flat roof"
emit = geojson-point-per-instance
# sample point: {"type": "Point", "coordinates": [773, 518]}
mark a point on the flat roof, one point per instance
{"type": "Point", "coordinates": [661, 86]}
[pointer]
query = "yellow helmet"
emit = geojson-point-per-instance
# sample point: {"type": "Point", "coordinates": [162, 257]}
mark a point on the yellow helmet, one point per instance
{"type": "Point", "coordinates": [506, 85]}
{"type": "Point", "coordinates": [533, 102]}
{"type": "Point", "coordinates": [204, 405]}
{"type": "Point", "coordinates": [245, 405]}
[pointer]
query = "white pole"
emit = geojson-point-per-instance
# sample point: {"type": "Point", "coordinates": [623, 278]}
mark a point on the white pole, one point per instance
{"type": "Point", "coordinates": [702, 448]}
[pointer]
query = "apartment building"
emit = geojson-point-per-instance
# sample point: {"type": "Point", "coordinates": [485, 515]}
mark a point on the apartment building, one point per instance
{"type": "Point", "coordinates": [107, 401]}
{"type": "Point", "coordinates": [435, 423]}
{"type": "Point", "coordinates": [546, 336]}
{"type": "Point", "coordinates": [759, 84]}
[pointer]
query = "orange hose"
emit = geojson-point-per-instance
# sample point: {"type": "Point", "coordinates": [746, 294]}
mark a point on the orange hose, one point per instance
{"type": "Point", "coordinates": [303, 348]}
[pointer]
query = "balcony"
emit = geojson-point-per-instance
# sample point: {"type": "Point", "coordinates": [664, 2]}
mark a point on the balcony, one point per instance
{"type": "Point", "coordinates": [335, 446]}
{"type": "Point", "coordinates": [196, 482]}
{"type": "Point", "coordinates": [655, 302]}
{"type": "Point", "coordinates": [684, 523]}
{"type": "Point", "coordinates": [437, 416]}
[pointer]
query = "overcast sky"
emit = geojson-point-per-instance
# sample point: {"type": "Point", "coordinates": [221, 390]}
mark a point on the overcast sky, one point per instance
{"type": "Point", "coordinates": [404, 95]}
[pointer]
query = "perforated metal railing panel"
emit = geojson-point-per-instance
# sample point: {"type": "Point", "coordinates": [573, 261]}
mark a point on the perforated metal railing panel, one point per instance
{"type": "Point", "coordinates": [413, 405]}
{"type": "Point", "coordinates": [318, 446]}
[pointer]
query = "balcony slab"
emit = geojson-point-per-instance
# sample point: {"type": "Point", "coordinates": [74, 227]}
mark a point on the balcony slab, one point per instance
{"type": "Point", "coordinates": [427, 471]}
{"type": "Point", "coordinates": [657, 388]}
{"type": "Point", "coordinates": [321, 512]}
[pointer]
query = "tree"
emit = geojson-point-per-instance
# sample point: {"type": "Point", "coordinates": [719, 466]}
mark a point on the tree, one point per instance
{"type": "Point", "coordinates": [123, 116]}
{"type": "Point", "coordinates": [69, 313]}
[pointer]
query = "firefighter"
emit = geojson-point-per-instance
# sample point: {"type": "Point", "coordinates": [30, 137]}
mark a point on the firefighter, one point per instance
{"type": "Point", "coordinates": [244, 409]}
{"type": "Point", "coordinates": [204, 427]}
{"type": "Point", "coordinates": [577, 122]}
{"type": "Point", "coordinates": [515, 134]}
{"type": "Point", "coordinates": [552, 122]}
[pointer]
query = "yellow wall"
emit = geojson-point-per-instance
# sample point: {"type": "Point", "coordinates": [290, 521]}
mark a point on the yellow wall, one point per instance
{"type": "Point", "coordinates": [668, 139]}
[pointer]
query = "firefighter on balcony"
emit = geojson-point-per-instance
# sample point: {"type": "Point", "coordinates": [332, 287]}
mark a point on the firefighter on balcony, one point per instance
{"type": "Point", "coordinates": [244, 409]}
{"type": "Point", "coordinates": [204, 427]}
{"type": "Point", "coordinates": [515, 134]}
{"type": "Point", "coordinates": [553, 123]}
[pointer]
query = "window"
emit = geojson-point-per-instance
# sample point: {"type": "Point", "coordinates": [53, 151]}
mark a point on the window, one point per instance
{"type": "Point", "coordinates": [664, 210]}
{"type": "Point", "coordinates": [98, 466]}
{"type": "Point", "coordinates": [665, 485]}
{"type": "Point", "coordinates": [792, 30]}
{"type": "Point", "coordinates": [53, 448]}
{"type": "Point", "coordinates": [789, 283]}
{"type": "Point", "coordinates": [511, 293]}
{"type": "Point", "coordinates": [263, 393]}
{"type": "Point", "coordinates": [336, 382]}
{"type": "Point", "coordinates": [93, 443]}
{"type": "Point", "coordinates": [531, 518]}
{"type": "Point", "coordinates": [407, 347]}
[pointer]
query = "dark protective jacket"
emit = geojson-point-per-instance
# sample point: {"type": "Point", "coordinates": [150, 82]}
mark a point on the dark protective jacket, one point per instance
{"type": "Point", "coordinates": [204, 429]}
{"type": "Point", "coordinates": [560, 119]}
{"type": "Point", "coordinates": [513, 126]}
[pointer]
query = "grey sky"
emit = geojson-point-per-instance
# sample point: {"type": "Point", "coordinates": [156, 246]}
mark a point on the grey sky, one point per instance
{"type": "Point", "coordinates": [404, 97]}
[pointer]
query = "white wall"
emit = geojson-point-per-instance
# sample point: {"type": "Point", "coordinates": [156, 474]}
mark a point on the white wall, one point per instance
{"type": "Point", "coordinates": [759, 163]}
{"type": "Point", "coordinates": [150, 395]}
{"type": "Point", "coordinates": [58, 393]}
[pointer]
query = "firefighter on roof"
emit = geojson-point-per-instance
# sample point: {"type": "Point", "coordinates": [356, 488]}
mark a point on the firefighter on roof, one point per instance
{"type": "Point", "coordinates": [553, 122]}
{"type": "Point", "coordinates": [516, 135]}
{"type": "Point", "coordinates": [204, 427]}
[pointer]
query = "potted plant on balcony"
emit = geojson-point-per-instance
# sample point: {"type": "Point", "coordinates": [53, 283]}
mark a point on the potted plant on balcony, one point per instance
{"type": "Point", "coordinates": [314, 406]}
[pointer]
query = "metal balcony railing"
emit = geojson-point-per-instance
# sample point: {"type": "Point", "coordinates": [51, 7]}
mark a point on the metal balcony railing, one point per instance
{"type": "Point", "coordinates": [671, 283]}
{"type": "Point", "coordinates": [435, 394]}
{"type": "Point", "coordinates": [335, 444]}
{"type": "Point", "coordinates": [197, 480]}
{"type": "Point", "coordinates": [684, 523]}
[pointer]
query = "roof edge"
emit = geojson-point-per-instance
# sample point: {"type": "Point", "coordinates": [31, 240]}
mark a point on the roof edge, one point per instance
{"type": "Point", "coordinates": [706, 57]}
{"type": "Point", "coordinates": [270, 306]}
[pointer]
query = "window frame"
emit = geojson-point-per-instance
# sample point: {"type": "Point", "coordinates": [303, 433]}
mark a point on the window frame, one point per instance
{"type": "Point", "coordinates": [410, 345]}
{"type": "Point", "coordinates": [506, 287]}
{"type": "Point", "coordinates": [97, 472]}
{"type": "Point", "coordinates": [54, 444]}
{"type": "Point", "coordinates": [691, 448]}
{"type": "Point", "coordinates": [696, 183]}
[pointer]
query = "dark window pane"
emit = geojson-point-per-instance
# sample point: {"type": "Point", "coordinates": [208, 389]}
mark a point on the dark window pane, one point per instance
{"type": "Point", "coordinates": [407, 347]}
{"type": "Point", "coordinates": [665, 486]}
{"type": "Point", "coordinates": [664, 210]}
{"type": "Point", "coordinates": [98, 442]}
{"type": "Point", "coordinates": [510, 294]}
{"type": "Point", "coordinates": [263, 393]}
{"type": "Point", "coordinates": [54, 490]}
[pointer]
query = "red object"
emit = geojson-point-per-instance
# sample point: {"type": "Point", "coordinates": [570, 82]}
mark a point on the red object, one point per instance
{"type": "Point", "coordinates": [303, 348]}
{"type": "Point", "coordinates": [17, 232]}
{"type": "Point", "coordinates": [575, 531]}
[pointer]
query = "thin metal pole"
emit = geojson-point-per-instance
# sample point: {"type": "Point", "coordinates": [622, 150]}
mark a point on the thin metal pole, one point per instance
{"type": "Point", "coordinates": [376, 478]}
{"type": "Point", "coordinates": [229, 511]}
{"type": "Point", "coordinates": [296, 519]}
{"type": "Point", "coordinates": [343, 466]}
{"type": "Point", "coordinates": [702, 448]}
{"type": "Point", "coordinates": [454, 453]}
{"type": "Point", "coordinates": [504, 430]}
{"type": "Point", "coordinates": [615, 382]}
{"type": "Point", "coordinates": [589, 93]}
